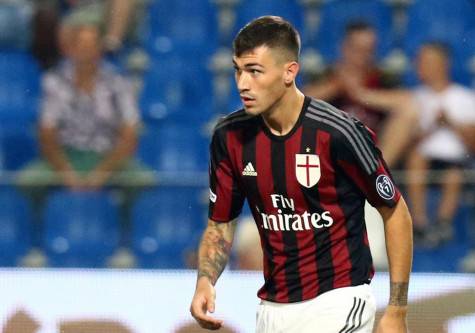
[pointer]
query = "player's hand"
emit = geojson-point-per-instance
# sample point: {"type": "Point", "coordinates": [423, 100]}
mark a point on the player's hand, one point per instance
{"type": "Point", "coordinates": [202, 303]}
{"type": "Point", "coordinates": [393, 320]}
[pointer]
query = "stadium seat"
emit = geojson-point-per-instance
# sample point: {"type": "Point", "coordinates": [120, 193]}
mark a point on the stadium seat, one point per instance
{"type": "Point", "coordinates": [19, 87]}
{"type": "Point", "coordinates": [177, 87]}
{"type": "Point", "coordinates": [176, 149]}
{"type": "Point", "coordinates": [248, 10]}
{"type": "Point", "coordinates": [185, 24]}
{"type": "Point", "coordinates": [15, 25]}
{"type": "Point", "coordinates": [336, 14]}
{"type": "Point", "coordinates": [18, 145]}
{"type": "Point", "coordinates": [447, 21]}
{"type": "Point", "coordinates": [166, 226]}
{"type": "Point", "coordinates": [81, 228]}
{"type": "Point", "coordinates": [15, 226]}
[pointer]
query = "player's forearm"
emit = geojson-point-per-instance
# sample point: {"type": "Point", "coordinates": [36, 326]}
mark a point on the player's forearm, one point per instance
{"type": "Point", "coordinates": [398, 232]}
{"type": "Point", "coordinates": [214, 249]}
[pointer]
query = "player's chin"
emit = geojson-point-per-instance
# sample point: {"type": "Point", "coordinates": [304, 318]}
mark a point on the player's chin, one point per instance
{"type": "Point", "coordinates": [252, 110]}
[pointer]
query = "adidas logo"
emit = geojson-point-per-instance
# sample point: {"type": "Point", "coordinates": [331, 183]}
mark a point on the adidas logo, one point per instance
{"type": "Point", "coordinates": [249, 170]}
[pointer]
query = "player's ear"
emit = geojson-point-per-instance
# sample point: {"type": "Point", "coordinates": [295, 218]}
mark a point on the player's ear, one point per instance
{"type": "Point", "coordinates": [291, 71]}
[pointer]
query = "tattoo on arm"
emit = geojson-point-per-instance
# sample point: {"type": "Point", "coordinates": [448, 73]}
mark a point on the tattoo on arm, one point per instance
{"type": "Point", "coordinates": [214, 249]}
{"type": "Point", "coordinates": [398, 293]}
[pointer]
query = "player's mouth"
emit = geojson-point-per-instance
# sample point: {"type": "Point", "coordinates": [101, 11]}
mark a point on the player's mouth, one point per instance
{"type": "Point", "coordinates": [247, 100]}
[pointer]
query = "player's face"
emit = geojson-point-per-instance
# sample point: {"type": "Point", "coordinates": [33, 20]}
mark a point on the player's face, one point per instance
{"type": "Point", "coordinates": [260, 78]}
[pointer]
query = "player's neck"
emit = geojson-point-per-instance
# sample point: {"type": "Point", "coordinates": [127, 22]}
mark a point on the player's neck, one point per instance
{"type": "Point", "coordinates": [285, 113]}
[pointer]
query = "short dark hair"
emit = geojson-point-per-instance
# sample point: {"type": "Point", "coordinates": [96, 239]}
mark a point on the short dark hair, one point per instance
{"type": "Point", "coordinates": [357, 26]}
{"type": "Point", "coordinates": [270, 31]}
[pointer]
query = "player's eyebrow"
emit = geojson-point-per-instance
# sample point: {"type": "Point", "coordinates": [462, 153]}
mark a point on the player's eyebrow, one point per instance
{"type": "Point", "coordinates": [251, 64]}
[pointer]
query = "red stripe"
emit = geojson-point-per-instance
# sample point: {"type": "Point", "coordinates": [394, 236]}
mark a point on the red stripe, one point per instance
{"type": "Point", "coordinates": [329, 202]}
{"type": "Point", "coordinates": [265, 184]}
{"type": "Point", "coordinates": [305, 239]}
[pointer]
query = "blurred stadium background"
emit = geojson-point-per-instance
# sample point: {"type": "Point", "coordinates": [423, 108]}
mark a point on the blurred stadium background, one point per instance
{"type": "Point", "coordinates": [180, 64]}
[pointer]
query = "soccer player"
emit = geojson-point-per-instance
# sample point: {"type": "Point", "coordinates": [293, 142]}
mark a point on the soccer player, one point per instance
{"type": "Point", "coordinates": [306, 169]}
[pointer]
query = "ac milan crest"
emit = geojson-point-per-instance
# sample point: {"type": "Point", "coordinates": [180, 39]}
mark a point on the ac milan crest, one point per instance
{"type": "Point", "coordinates": [307, 169]}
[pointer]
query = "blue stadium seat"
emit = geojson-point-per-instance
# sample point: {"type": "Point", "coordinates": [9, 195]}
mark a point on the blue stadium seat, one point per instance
{"type": "Point", "coordinates": [174, 148]}
{"type": "Point", "coordinates": [15, 25]}
{"type": "Point", "coordinates": [15, 226]}
{"type": "Point", "coordinates": [447, 21]}
{"type": "Point", "coordinates": [81, 228]}
{"type": "Point", "coordinates": [177, 87]}
{"type": "Point", "coordinates": [336, 14]}
{"type": "Point", "coordinates": [183, 24]}
{"type": "Point", "coordinates": [18, 145]}
{"type": "Point", "coordinates": [19, 87]}
{"type": "Point", "coordinates": [166, 226]}
{"type": "Point", "coordinates": [250, 9]}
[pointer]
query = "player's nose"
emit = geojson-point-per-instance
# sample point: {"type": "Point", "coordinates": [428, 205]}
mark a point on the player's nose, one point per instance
{"type": "Point", "coordinates": [242, 82]}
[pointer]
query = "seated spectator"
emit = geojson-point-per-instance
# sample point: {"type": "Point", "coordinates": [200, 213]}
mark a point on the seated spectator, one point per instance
{"type": "Point", "coordinates": [391, 122]}
{"type": "Point", "coordinates": [88, 124]}
{"type": "Point", "coordinates": [447, 136]}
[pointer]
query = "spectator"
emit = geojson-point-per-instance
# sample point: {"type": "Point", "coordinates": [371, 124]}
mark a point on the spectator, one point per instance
{"type": "Point", "coordinates": [357, 68]}
{"type": "Point", "coordinates": [445, 137]}
{"type": "Point", "coordinates": [114, 17]}
{"type": "Point", "coordinates": [447, 125]}
{"type": "Point", "coordinates": [88, 124]}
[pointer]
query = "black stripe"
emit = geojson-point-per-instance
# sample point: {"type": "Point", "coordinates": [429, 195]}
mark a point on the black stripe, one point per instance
{"type": "Point", "coordinates": [253, 195]}
{"type": "Point", "coordinates": [347, 135]}
{"type": "Point", "coordinates": [291, 247]}
{"type": "Point", "coordinates": [321, 236]}
{"type": "Point", "coordinates": [352, 204]}
{"type": "Point", "coordinates": [349, 316]}
{"type": "Point", "coordinates": [353, 324]}
{"type": "Point", "coordinates": [353, 135]}
{"type": "Point", "coordinates": [233, 118]}
{"type": "Point", "coordinates": [360, 318]}
{"type": "Point", "coordinates": [344, 119]}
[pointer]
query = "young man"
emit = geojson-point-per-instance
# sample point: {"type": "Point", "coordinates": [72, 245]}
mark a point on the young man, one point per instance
{"type": "Point", "coordinates": [394, 122]}
{"type": "Point", "coordinates": [306, 169]}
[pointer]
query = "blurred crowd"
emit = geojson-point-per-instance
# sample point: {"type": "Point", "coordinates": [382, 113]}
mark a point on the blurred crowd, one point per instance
{"type": "Point", "coordinates": [118, 111]}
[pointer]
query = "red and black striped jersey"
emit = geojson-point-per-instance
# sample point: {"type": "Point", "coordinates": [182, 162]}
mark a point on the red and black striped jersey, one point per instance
{"type": "Point", "coordinates": [306, 191]}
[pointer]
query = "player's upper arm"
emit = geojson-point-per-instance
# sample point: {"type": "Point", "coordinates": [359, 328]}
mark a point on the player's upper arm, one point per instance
{"type": "Point", "coordinates": [360, 159]}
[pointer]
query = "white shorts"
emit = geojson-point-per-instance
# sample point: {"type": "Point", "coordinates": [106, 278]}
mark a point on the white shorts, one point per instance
{"type": "Point", "coordinates": [342, 310]}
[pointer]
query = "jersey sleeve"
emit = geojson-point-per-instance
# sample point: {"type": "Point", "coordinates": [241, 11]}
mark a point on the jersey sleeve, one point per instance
{"type": "Point", "coordinates": [360, 159]}
{"type": "Point", "coordinates": [225, 198]}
